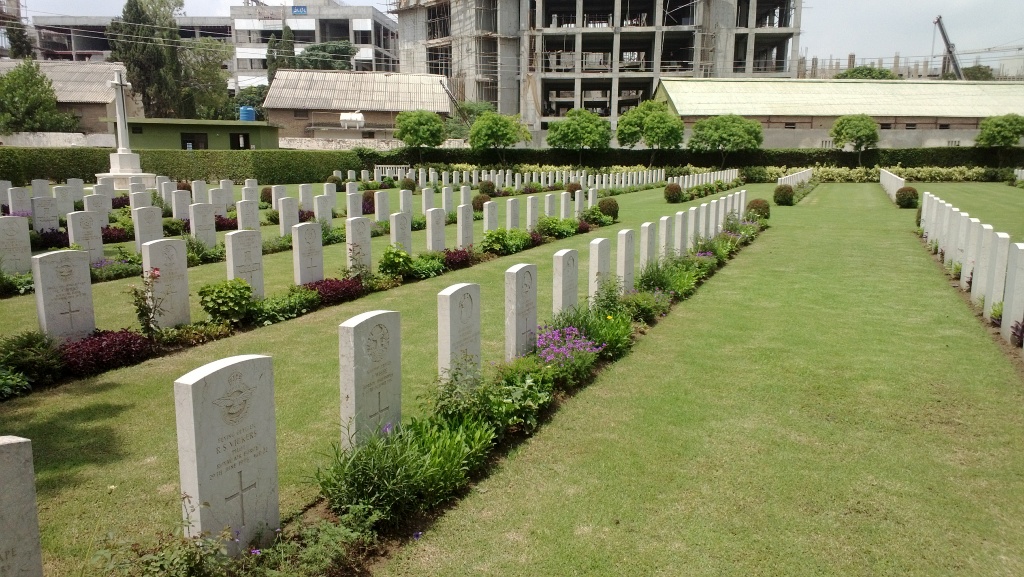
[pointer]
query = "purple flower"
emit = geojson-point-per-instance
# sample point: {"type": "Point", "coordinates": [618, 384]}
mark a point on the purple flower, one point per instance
{"type": "Point", "coordinates": [255, 552]}
{"type": "Point", "coordinates": [417, 535]}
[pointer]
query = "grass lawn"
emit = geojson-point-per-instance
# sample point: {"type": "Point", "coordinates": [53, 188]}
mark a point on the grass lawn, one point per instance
{"type": "Point", "coordinates": [825, 405]}
{"type": "Point", "coordinates": [994, 203]}
{"type": "Point", "coordinates": [118, 430]}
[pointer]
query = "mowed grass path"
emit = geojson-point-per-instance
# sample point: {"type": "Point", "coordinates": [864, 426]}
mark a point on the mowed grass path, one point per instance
{"type": "Point", "coordinates": [994, 203]}
{"type": "Point", "coordinates": [118, 429]}
{"type": "Point", "coordinates": [825, 405]}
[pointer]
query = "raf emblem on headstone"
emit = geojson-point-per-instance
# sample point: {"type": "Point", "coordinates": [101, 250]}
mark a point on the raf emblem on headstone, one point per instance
{"type": "Point", "coordinates": [234, 406]}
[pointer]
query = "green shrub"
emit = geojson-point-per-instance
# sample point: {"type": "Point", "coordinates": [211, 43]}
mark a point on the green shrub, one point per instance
{"type": "Point", "coordinates": [407, 184]}
{"type": "Point", "coordinates": [12, 384]}
{"type": "Point", "coordinates": [299, 300]}
{"type": "Point", "coordinates": [267, 195]}
{"type": "Point", "coordinates": [504, 241]}
{"type": "Point", "coordinates": [395, 262]}
{"type": "Point", "coordinates": [334, 179]}
{"type": "Point", "coordinates": [615, 332]}
{"type": "Point", "coordinates": [487, 188]}
{"type": "Point", "coordinates": [228, 301]}
{"type": "Point", "coordinates": [783, 195]}
{"type": "Point", "coordinates": [594, 216]}
{"type": "Point", "coordinates": [198, 253]}
{"type": "Point", "coordinates": [193, 334]}
{"type": "Point", "coordinates": [34, 355]}
{"type": "Point", "coordinates": [174, 227]}
{"type": "Point", "coordinates": [573, 187]}
{"type": "Point", "coordinates": [272, 217]}
{"type": "Point", "coordinates": [427, 265]}
{"type": "Point", "coordinates": [673, 193]}
{"type": "Point", "coordinates": [760, 208]}
{"type": "Point", "coordinates": [906, 197]}
{"type": "Point", "coordinates": [277, 244]}
{"type": "Point", "coordinates": [645, 307]}
{"type": "Point", "coordinates": [478, 202]}
{"type": "Point", "coordinates": [510, 402]}
{"type": "Point", "coordinates": [557, 227]}
{"type": "Point", "coordinates": [610, 207]}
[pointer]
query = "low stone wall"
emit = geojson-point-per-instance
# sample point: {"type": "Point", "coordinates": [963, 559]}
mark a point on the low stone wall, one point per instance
{"type": "Point", "coordinates": [350, 143]}
{"type": "Point", "coordinates": [58, 140]}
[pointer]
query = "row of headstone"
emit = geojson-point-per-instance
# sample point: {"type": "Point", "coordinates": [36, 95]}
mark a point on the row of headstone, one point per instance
{"type": "Point", "coordinates": [890, 183]}
{"type": "Point", "coordinates": [991, 266]}
{"type": "Point", "coordinates": [691, 180]}
{"type": "Point", "coordinates": [797, 178]}
{"type": "Point", "coordinates": [1018, 173]}
{"type": "Point", "coordinates": [507, 179]}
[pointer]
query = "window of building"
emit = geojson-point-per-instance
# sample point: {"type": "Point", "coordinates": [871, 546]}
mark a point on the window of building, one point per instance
{"type": "Point", "coordinates": [790, 126]}
{"type": "Point", "coordinates": [300, 114]}
{"type": "Point", "coordinates": [362, 36]}
{"type": "Point", "coordinates": [827, 144]}
{"type": "Point", "coordinates": [439, 60]}
{"type": "Point", "coordinates": [194, 141]}
{"type": "Point", "coordinates": [911, 126]}
{"type": "Point", "coordinates": [367, 134]}
{"type": "Point", "coordinates": [439, 22]}
{"type": "Point", "coordinates": [239, 140]}
{"type": "Point", "coordinates": [952, 143]}
{"type": "Point", "coordinates": [943, 127]}
{"type": "Point", "coordinates": [487, 15]}
{"type": "Point", "coordinates": [886, 126]}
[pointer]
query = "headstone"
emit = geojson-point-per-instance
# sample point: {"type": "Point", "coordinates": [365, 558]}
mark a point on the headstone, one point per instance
{"type": "Point", "coordinates": [680, 231]}
{"type": "Point", "coordinates": [381, 205]}
{"type": "Point", "coordinates": [624, 260]}
{"type": "Point", "coordinates": [351, 175]}
{"type": "Point", "coordinates": [532, 213]}
{"type": "Point", "coordinates": [288, 215]}
{"type": "Point", "coordinates": [401, 231]}
{"type": "Point", "coordinates": [19, 201]}
{"type": "Point", "coordinates": [1013, 293]}
{"type": "Point", "coordinates": [170, 288]}
{"type": "Point", "coordinates": [140, 200]}
{"type": "Point", "coordinates": [520, 310]}
{"type": "Point", "coordinates": [490, 216]}
{"type": "Point", "coordinates": [244, 255]}
{"type": "Point", "coordinates": [306, 196]}
{"type": "Point", "coordinates": [220, 198]}
{"type": "Point", "coordinates": [20, 548]}
{"type": "Point", "coordinates": [202, 224]}
{"type": "Point", "coordinates": [428, 199]}
{"type": "Point", "coordinates": [41, 187]}
{"type": "Point", "coordinates": [705, 221]}
{"type": "Point", "coordinates": [84, 230]}
{"type": "Point", "coordinates": [435, 229]}
{"type": "Point", "coordinates": [464, 226]}
{"type": "Point", "coordinates": [63, 294]}
{"type": "Point", "coordinates": [166, 190]}
{"type": "Point", "coordinates": [961, 237]}
{"type": "Point", "coordinates": [201, 192]}
{"type": "Point", "coordinates": [99, 203]}
{"type": "Point", "coordinates": [512, 213]}
{"type": "Point", "coordinates": [600, 266]}
{"type": "Point", "coordinates": [565, 292]}
{"type": "Point", "coordinates": [44, 214]}
{"type": "Point", "coordinates": [447, 200]}
{"type": "Point", "coordinates": [370, 355]}
{"type": "Point", "coordinates": [458, 330]}
{"type": "Point", "coordinates": [277, 192]}
{"type": "Point", "coordinates": [713, 210]}
{"type": "Point", "coordinates": [228, 187]}
{"type": "Point", "coordinates": [180, 199]}
{"type": "Point", "coordinates": [665, 237]}
{"type": "Point", "coordinates": [592, 198]}
{"type": "Point", "coordinates": [467, 195]}
{"type": "Point", "coordinates": [136, 184]}
{"type": "Point", "coordinates": [405, 201]}
{"type": "Point", "coordinates": [691, 228]}
{"type": "Point", "coordinates": [149, 225]}
{"type": "Point", "coordinates": [353, 204]}
{"type": "Point", "coordinates": [357, 242]}
{"type": "Point", "coordinates": [565, 209]}
{"type": "Point", "coordinates": [248, 214]}
{"type": "Point", "coordinates": [15, 246]}
{"type": "Point", "coordinates": [979, 279]}
{"type": "Point", "coordinates": [322, 208]}
{"type": "Point", "coordinates": [251, 183]}
{"type": "Point", "coordinates": [65, 202]}
{"type": "Point", "coordinates": [250, 193]}
{"type": "Point", "coordinates": [648, 244]}
{"type": "Point", "coordinates": [971, 252]}
{"type": "Point", "coordinates": [578, 211]}
{"type": "Point", "coordinates": [307, 253]}
{"type": "Point", "coordinates": [227, 450]}
{"type": "Point", "coordinates": [996, 272]}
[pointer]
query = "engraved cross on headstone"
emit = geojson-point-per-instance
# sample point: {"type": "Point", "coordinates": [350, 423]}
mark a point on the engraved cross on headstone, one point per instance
{"type": "Point", "coordinates": [240, 495]}
{"type": "Point", "coordinates": [380, 410]}
{"type": "Point", "coordinates": [71, 314]}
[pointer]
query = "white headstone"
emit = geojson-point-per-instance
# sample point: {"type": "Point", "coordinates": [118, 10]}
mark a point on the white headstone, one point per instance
{"type": "Point", "coordinates": [251, 183]}
{"type": "Point", "coordinates": [244, 256]}
{"type": "Point", "coordinates": [428, 199]}
{"type": "Point", "coordinates": [648, 244]}
{"type": "Point", "coordinates": [464, 226]}
{"type": "Point", "coordinates": [447, 199]}
{"type": "Point", "coordinates": [170, 288]}
{"type": "Point", "coordinates": [250, 193]}
{"type": "Point", "coordinates": [288, 215]}
{"type": "Point", "coordinates": [307, 253]}
{"type": "Point", "coordinates": [401, 231]}
{"type": "Point", "coordinates": [44, 214]}
{"type": "Point", "coordinates": [532, 213]}
{"type": "Point", "coordinates": [381, 206]}
{"type": "Point", "coordinates": [1013, 293]}
{"type": "Point", "coordinates": [490, 216]}
{"type": "Point", "coordinates": [357, 242]}
{"type": "Point", "coordinates": [202, 224]}
{"type": "Point", "coordinates": [435, 229]}
{"type": "Point", "coordinates": [227, 450]}
{"type": "Point", "coordinates": [691, 228]}
{"type": "Point", "coordinates": [467, 195]}
{"type": "Point", "coordinates": [140, 200]}
{"type": "Point", "coordinates": [370, 355]}
{"type": "Point", "coordinates": [84, 230]}
{"type": "Point", "coordinates": [565, 292]}
{"type": "Point", "coordinates": [680, 231]}
{"type": "Point", "coordinates": [201, 192]}
{"type": "Point", "coordinates": [220, 198]}
{"type": "Point", "coordinates": [565, 210]}
{"type": "Point", "coordinates": [101, 204]}
{"type": "Point", "coordinates": [65, 201]}
{"type": "Point", "coordinates": [306, 196]}
{"type": "Point", "coordinates": [19, 201]}
{"type": "Point", "coordinates": [248, 214]}
{"type": "Point", "coordinates": [64, 294]}
{"type": "Point", "coordinates": [520, 310]}
{"type": "Point", "coordinates": [996, 271]}
{"type": "Point", "coordinates": [149, 225]}
{"type": "Point", "coordinates": [600, 265]}
{"type": "Point", "coordinates": [971, 252]}
{"type": "Point", "coordinates": [665, 237]}
{"type": "Point", "coordinates": [979, 278]}
{"type": "Point", "coordinates": [180, 199]}
{"type": "Point", "coordinates": [277, 192]}
{"type": "Point", "coordinates": [41, 187]}
{"type": "Point", "coordinates": [458, 329]}
{"type": "Point", "coordinates": [322, 208]}
{"type": "Point", "coordinates": [20, 551]}
{"type": "Point", "coordinates": [15, 246]}
{"type": "Point", "coordinates": [549, 205]}
{"type": "Point", "coordinates": [624, 260]}
{"type": "Point", "coordinates": [405, 201]}
{"type": "Point", "coordinates": [353, 204]}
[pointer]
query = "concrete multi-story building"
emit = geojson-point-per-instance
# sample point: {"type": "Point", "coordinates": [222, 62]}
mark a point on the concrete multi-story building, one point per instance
{"type": "Point", "coordinates": [10, 11]}
{"type": "Point", "coordinates": [542, 58]}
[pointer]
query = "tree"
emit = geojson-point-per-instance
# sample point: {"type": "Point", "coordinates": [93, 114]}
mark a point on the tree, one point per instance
{"type": "Point", "coordinates": [204, 89]}
{"type": "Point", "coordinates": [497, 131]}
{"type": "Point", "coordinates": [272, 59]}
{"type": "Point", "coordinates": [286, 50]}
{"type": "Point", "coordinates": [131, 42]}
{"type": "Point", "coordinates": [327, 56]}
{"type": "Point", "coordinates": [29, 103]}
{"type": "Point", "coordinates": [419, 128]}
{"type": "Point", "coordinates": [1000, 132]}
{"type": "Point", "coordinates": [457, 127]}
{"type": "Point", "coordinates": [725, 134]}
{"type": "Point", "coordinates": [652, 124]}
{"type": "Point", "coordinates": [252, 96]}
{"type": "Point", "coordinates": [580, 130]}
{"type": "Point", "coordinates": [857, 130]}
{"type": "Point", "coordinates": [867, 73]}
{"type": "Point", "coordinates": [979, 73]}
{"type": "Point", "coordinates": [21, 44]}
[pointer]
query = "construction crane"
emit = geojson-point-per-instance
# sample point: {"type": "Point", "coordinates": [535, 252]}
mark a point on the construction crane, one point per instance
{"type": "Point", "coordinates": [950, 56]}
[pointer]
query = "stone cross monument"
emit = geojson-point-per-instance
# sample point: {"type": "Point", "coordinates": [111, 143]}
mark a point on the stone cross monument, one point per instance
{"type": "Point", "coordinates": [124, 164]}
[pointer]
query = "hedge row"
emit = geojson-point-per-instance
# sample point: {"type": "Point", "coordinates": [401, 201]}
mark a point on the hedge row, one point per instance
{"type": "Point", "coordinates": [21, 165]}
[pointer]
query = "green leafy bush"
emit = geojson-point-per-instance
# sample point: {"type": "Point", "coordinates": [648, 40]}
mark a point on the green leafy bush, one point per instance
{"type": "Point", "coordinates": [609, 207]}
{"type": "Point", "coordinates": [174, 227]}
{"type": "Point", "coordinates": [272, 217]}
{"type": "Point", "coordinates": [646, 307]}
{"type": "Point", "coordinates": [906, 197]}
{"type": "Point", "coordinates": [505, 241]}
{"type": "Point", "coordinates": [334, 179]}
{"type": "Point", "coordinates": [198, 253]}
{"type": "Point", "coordinates": [760, 208]}
{"type": "Point", "coordinates": [783, 195]}
{"type": "Point", "coordinates": [573, 187]}
{"type": "Point", "coordinates": [478, 202]}
{"type": "Point", "coordinates": [510, 402]}
{"type": "Point", "coordinates": [427, 265]}
{"type": "Point", "coordinates": [673, 193]}
{"type": "Point", "coordinates": [594, 216]}
{"type": "Point", "coordinates": [228, 301]}
{"type": "Point", "coordinates": [557, 227]}
{"type": "Point", "coordinates": [34, 355]}
{"type": "Point", "coordinates": [193, 334]}
{"type": "Point", "coordinates": [299, 300]}
{"type": "Point", "coordinates": [487, 188]}
{"type": "Point", "coordinates": [395, 262]}
{"type": "Point", "coordinates": [615, 332]}
{"type": "Point", "coordinates": [12, 384]}
{"type": "Point", "coordinates": [267, 195]}
{"type": "Point", "coordinates": [277, 244]}
{"type": "Point", "coordinates": [407, 184]}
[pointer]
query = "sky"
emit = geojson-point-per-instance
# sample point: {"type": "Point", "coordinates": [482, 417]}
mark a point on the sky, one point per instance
{"type": "Point", "coordinates": [871, 29]}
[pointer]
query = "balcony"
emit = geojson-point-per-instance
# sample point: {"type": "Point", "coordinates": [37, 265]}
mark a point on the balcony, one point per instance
{"type": "Point", "coordinates": [596, 62]}
{"type": "Point", "coordinates": [559, 61]}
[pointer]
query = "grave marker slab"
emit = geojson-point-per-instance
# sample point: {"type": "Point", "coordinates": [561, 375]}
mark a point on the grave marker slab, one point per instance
{"type": "Point", "coordinates": [84, 230]}
{"type": "Point", "coordinates": [306, 196]}
{"type": "Point", "coordinates": [464, 224]}
{"type": "Point", "coordinates": [288, 214]}
{"type": "Point", "coordinates": [1013, 293]}
{"type": "Point", "coordinates": [512, 213]}
{"type": "Point", "coordinates": [624, 260]}
{"type": "Point", "coordinates": [140, 200]}
{"type": "Point", "coordinates": [665, 238]}
{"type": "Point", "coordinates": [532, 213]}
{"type": "Point", "coordinates": [401, 231]}
{"type": "Point", "coordinates": [19, 201]}
{"type": "Point", "coordinates": [322, 208]}
{"type": "Point", "coordinates": [171, 286]}
{"type": "Point", "coordinates": [405, 201]}
{"type": "Point", "coordinates": [490, 216]}
{"type": "Point", "coordinates": [979, 279]}
{"type": "Point", "coordinates": [201, 192]}
{"type": "Point", "coordinates": [41, 187]}
{"type": "Point", "coordinates": [65, 201]}
{"type": "Point", "coordinates": [277, 192]}
{"type": "Point", "coordinates": [307, 253]}
{"type": "Point", "coordinates": [202, 224]}
{"type": "Point", "coordinates": [244, 255]}
{"type": "Point", "coordinates": [20, 547]}
{"type": "Point", "coordinates": [600, 266]}
{"type": "Point", "coordinates": [357, 242]}
{"type": "Point", "coordinates": [227, 449]}
{"type": "Point", "coordinates": [44, 214]}
{"type": "Point", "coordinates": [520, 310]}
{"type": "Point", "coordinates": [15, 246]}
{"type": "Point", "coordinates": [370, 355]}
{"type": "Point", "coordinates": [248, 214]}
{"type": "Point", "coordinates": [435, 229]}
{"type": "Point", "coordinates": [565, 208]}
{"type": "Point", "coordinates": [565, 293]}
{"type": "Point", "coordinates": [996, 272]}
{"type": "Point", "coordinates": [648, 243]}
{"type": "Point", "coordinates": [180, 199]}
{"type": "Point", "coordinates": [101, 204]}
{"type": "Point", "coordinates": [250, 193]}
{"type": "Point", "coordinates": [149, 225]}
{"type": "Point", "coordinates": [458, 329]}
{"type": "Point", "coordinates": [381, 205]}
{"type": "Point", "coordinates": [64, 294]}
{"type": "Point", "coordinates": [447, 200]}
{"type": "Point", "coordinates": [427, 199]}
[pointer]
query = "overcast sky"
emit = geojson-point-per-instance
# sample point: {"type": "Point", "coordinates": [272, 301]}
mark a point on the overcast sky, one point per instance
{"type": "Point", "coordinates": [869, 28]}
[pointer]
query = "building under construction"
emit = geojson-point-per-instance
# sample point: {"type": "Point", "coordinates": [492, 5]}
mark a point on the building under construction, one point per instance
{"type": "Point", "coordinates": [542, 58]}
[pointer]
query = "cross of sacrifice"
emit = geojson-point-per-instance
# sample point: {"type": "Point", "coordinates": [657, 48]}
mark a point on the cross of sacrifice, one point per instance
{"type": "Point", "coordinates": [240, 495]}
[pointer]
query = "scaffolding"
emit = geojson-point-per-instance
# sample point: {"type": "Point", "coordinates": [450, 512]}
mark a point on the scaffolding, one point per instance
{"type": "Point", "coordinates": [487, 15]}
{"type": "Point", "coordinates": [439, 21]}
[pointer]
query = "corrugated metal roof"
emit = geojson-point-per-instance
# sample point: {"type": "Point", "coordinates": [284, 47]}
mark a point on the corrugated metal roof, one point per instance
{"type": "Point", "coordinates": [76, 81]}
{"type": "Point", "coordinates": [764, 97]}
{"type": "Point", "coordinates": [344, 90]}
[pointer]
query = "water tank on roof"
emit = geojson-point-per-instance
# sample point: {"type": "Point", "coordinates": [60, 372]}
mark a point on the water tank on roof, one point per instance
{"type": "Point", "coordinates": [247, 113]}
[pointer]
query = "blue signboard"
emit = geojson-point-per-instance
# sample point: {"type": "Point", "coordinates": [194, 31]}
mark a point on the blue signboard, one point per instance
{"type": "Point", "coordinates": [298, 10]}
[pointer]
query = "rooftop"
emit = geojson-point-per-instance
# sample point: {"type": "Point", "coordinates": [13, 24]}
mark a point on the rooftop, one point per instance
{"type": "Point", "coordinates": [787, 97]}
{"type": "Point", "coordinates": [344, 90]}
{"type": "Point", "coordinates": [75, 81]}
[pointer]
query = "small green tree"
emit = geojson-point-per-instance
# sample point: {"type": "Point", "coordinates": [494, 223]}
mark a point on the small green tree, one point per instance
{"type": "Point", "coordinates": [979, 73]}
{"type": "Point", "coordinates": [286, 50]}
{"type": "Point", "coordinates": [457, 127]}
{"type": "Point", "coordinates": [252, 96]}
{"type": "Point", "coordinates": [29, 103]}
{"type": "Point", "coordinates": [1001, 132]}
{"type": "Point", "coordinates": [866, 73]}
{"type": "Point", "coordinates": [203, 87]}
{"type": "Point", "coordinates": [21, 44]}
{"type": "Point", "coordinates": [725, 134]}
{"type": "Point", "coordinates": [580, 130]}
{"type": "Point", "coordinates": [497, 131]}
{"type": "Point", "coordinates": [131, 42]}
{"type": "Point", "coordinates": [273, 47]}
{"type": "Point", "coordinates": [857, 130]}
{"type": "Point", "coordinates": [326, 56]}
{"type": "Point", "coordinates": [652, 124]}
{"type": "Point", "coordinates": [419, 128]}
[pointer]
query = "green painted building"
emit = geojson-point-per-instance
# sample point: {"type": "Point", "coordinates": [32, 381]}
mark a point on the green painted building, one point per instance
{"type": "Point", "coordinates": [190, 134]}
